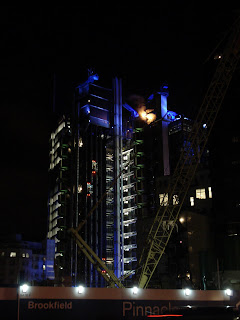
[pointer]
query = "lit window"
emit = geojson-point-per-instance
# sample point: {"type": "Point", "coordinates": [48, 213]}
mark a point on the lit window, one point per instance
{"type": "Point", "coordinates": [94, 165]}
{"type": "Point", "coordinates": [200, 194]}
{"type": "Point", "coordinates": [163, 199]}
{"type": "Point", "coordinates": [79, 188]}
{"type": "Point", "coordinates": [210, 192]}
{"type": "Point", "coordinates": [175, 199]}
{"type": "Point", "coordinates": [23, 255]}
{"type": "Point", "coordinates": [192, 201]}
{"type": "Point", "coordinates": [13, 254]}
{"type": "Point", "coordinates": [80, 143]}
{"type": "Point", "coordinates": [44, 267]}
{"type": "Point", "coordinates": [27, 255]}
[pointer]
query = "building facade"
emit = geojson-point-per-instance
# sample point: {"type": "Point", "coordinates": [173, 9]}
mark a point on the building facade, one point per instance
{"type": "Point", "coordinates": [106, 146]}
{"type": "Point", "coordinates": [110, 165]}
{"type": "Point", "coordinates": [25, 261]}
{"type": "Point", "coordinates": [92, 154]}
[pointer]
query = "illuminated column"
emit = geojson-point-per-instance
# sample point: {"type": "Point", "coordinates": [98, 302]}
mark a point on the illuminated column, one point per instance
{"type": "Point", "coordinates": [166, 166]}
{"type": "Point", "coordinates": [118, 232]}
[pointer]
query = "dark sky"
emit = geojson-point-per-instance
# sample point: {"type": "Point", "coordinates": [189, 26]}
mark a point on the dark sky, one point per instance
{"type": "Point", "coordinates": [144, 45]}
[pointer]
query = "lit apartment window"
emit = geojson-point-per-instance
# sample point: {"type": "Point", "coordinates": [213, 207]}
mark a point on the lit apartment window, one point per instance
{"type": "Point", "coordinates": [27, 255]}
{"type": "Point", "coordinates": [175, 199]}
{"type": "Point", "coordinates": [192, 201]}
{"type": "Point", "coordinates": [23, 255]}
{"type": "Point", "coordinates": [80, 142]}
{"type": "Point", "coordinates": [13, 254]}
{"type": "Point", "coordinates": [44, 267]}
{"type": "Point", "coordinates": [210, 192]}
{"type": "Point", "coordinates": [79, 188]}
{"type": "Point", "coordinates": [200, 193]}
{"type": "Point", "coordinates": [163, 199]}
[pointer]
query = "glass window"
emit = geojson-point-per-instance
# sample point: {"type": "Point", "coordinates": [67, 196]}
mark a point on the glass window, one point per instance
{"type": "Point", "coordinates": [175, 199]}
{"type": "Point", "coordinates": [13, 254]}
{"type": "Point", "coordinates": [201, 193]}
{"type": "Point", "coordinates": [27, 255]}
{"type": "Point", "coordinates": [163, 199]}
{"type": "Point", "coordinates": [192, 201]}
{"type": "Point", "coordinates": [210, 192]}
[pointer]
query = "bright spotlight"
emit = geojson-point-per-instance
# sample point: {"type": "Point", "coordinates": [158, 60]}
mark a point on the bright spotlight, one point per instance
{"type": "Point", "coordinates": [135, 290]}
{"type": "Point", "coordinates": [80, 289]}
{"type": "Point", "coordinates": [229, 292]}
{"type": "Point", "coordinates": [187, 292]}
{"type": "Point", "coordinates": [143, 115]}
{"type": "Point", "coordinates": [25, 288]}
{"type": "Point", "coordinates": [181, 219]}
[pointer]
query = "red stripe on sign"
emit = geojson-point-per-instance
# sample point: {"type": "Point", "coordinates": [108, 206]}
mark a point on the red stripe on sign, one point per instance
{"type": "Point", "coordinates": [164, 315]}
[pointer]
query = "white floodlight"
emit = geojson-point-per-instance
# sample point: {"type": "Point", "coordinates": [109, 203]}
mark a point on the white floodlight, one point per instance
{"type": "Point", "coordinates": [135, 290]}
{"type": "Point", "coordinates": [80, 289]}
{"type": "Point", "coordinates": [187, 292]}
{"type": "Point", "coordinates": [229, 292]}
{"type": "Point", "coordinates": [25, 288]}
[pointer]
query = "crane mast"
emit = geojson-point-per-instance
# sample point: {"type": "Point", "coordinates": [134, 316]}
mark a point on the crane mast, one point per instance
{"type": "Point", "coordinates": [167, 215]}
{"type": "Point", "coordinates": [98, 264]}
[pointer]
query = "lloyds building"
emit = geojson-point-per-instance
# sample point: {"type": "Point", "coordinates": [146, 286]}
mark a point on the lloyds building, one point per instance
{"type": "Point", "coordinates": [109, 145]}
{"type": "Point", "coordinates": [91, 152]}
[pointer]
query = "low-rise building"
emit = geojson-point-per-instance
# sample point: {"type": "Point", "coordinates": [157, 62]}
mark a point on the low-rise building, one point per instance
{"type": "Point", "coordinates": [25, 261]}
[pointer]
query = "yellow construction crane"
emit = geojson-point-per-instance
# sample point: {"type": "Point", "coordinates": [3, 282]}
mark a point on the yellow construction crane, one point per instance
{"type": "Point", "coordinates": [166, 217]}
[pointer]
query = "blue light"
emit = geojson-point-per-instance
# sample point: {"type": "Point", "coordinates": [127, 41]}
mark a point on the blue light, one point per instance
{"type": "Point", "coordinates": [171, 115]}
{"type": "Point", "coordinates": [92, 78]}
{"type": "Point", "coordinates": [151, 97]}
{"type": "Point", "coordinates": [85, 84]}
{"type": "Point", "coordinates": [129, 108]}
{"type": "Point", "coordinates": [86, 109]}
{"type": "Point", "coordinates": [164, 90]}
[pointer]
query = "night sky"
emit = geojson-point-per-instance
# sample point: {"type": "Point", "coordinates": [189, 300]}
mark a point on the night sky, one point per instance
{"type": "Point", "coordinates": [146, 46]}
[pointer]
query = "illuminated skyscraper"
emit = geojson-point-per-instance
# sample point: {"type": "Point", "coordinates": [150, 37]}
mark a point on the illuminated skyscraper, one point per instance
{"type": "Point", "coordinates": [90, 155]}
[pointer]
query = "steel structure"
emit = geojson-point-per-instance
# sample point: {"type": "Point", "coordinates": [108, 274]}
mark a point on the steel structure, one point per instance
{"type": "Point", "coordinates": [98, 264]}
{"type": "Point", "coordinates": [168, 213]}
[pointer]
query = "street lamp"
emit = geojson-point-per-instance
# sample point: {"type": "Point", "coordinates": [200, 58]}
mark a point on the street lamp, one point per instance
{"type": "Point", "coordinates": [187, 292]}
{"type": "Point", "coordinates": [135, 290]}
{"type": "Point", "coordinates": [24, 288]}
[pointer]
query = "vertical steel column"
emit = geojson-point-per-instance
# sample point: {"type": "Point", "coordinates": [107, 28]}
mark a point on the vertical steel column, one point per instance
{"type": "Point", "coordinates": [118, 230]}
{"type": "Point", "coordinates": [166, 166]}
{"type": "Point", "coordinates": [74, 266]}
